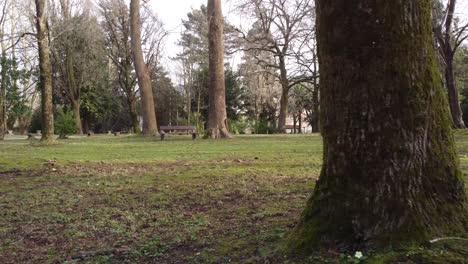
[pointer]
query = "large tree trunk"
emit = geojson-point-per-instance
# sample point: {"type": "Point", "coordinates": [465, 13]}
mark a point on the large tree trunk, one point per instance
{"type": "Point", "coordinates": [390, 173]}
{"type": "Point", "coordinates": [453, 97]}
{"type": "Point", "coordinates": [45, 72]}
{"type": "Point", "coordinates": [150, 127]}
{"type": "Point", "coordinates": [217, 118]}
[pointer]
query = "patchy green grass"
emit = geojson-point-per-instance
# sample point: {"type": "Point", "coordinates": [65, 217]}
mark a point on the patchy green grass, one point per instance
{"type": "Point", "coordinates": [129, 199]}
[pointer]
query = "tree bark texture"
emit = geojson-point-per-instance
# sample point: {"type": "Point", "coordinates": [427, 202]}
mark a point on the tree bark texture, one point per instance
{"type": "Point", "coordinates": [2, 97]}
{"type": "Point", "coordinates": [76, 106]}
{"type": "Point", "coordinates": [284, 102]}
{"type": "Point", "coordinates": [217, 117]}
{"type": "Point", "coordinates": [316, 110]}
{"type": "Point", "coordinates": [3, 58]}
{"type": "Point", "coordinates": [45, 72]}
{"type": "Point", "coordinates": [132, 106]}
{"type": "Point", "coordinates": [390, 173]}
{"type": "Point", "coordinates": [147, 102]}
{"type": "Point", "coordinates": [315, 122]}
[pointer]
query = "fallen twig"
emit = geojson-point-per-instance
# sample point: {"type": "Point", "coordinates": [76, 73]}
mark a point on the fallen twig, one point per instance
{"type": "Point", "coordinates": [446, 238]}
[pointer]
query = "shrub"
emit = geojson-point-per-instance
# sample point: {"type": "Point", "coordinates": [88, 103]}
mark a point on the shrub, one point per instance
{"type": "Point", "coordinates": [263, 127]}
{"type": "Point", "coordinates": [238, 126]}
{"type": "Point", "coordinates": [36, 121]}
{"type": "Point", "coordinates": [64, 123]}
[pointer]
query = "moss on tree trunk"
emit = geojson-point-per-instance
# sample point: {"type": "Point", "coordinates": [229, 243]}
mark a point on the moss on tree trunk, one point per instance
{"type": "Point", "coordinates": [390, 173]}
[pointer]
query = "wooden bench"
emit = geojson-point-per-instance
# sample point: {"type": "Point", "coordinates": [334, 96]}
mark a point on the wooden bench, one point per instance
{"type": "Point", "coordinates": [117, 133]}
{"type": "Point", "coordinates": [175, 129]}
{"type": "Point", "coordinates": [293, 130]}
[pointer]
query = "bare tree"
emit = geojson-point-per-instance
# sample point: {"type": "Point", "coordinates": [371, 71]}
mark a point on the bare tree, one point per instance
{"type": "Point", "coordinates": [264, 89]}
{"type": "Point", "coordinates": [116, 25]}
{"type": "Point", "coordinates": [78, 39]}
{"type": "Point", "coordinates": [282, 28]}
{"type": "Point", "coordinates": [144, 81]}
{"type": "Point", "coordinates": [217, 119]}
{"type": "Point", "coordinates": [449, 38]}
{"type": "Point", "coordinates": [45, 72]}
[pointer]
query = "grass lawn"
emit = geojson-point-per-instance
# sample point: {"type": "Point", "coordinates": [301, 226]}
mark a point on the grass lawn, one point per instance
{"type": "Point", "coordinates": [135, 200]}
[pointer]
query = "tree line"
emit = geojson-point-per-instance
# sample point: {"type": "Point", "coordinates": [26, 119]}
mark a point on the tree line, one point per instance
{"type": "Point", "coordinates": [108, 69]}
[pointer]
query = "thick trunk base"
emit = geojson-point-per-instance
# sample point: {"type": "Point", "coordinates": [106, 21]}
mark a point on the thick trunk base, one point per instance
{"type": "Point", "coordinates": [390, 175]}
{"type": "Point", "coordinates": [218, 133]}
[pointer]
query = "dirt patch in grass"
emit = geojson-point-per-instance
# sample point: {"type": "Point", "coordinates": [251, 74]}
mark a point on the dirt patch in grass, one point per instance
{"type": "Point", "coordinates": [176, 212]}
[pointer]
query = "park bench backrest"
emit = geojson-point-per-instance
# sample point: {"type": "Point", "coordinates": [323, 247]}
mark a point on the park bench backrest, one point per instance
{"type": "Point", "coordinates": [178, 128]}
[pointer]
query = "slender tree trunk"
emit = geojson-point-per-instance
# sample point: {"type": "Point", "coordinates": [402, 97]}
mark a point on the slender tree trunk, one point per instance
{"type": "Point", "coordinates": [85, 125]}
{"type": "Point", "coordinates": [3, 95]}
{"type": "Point", "coordinates": [453, 97]}
{"type": "Point", "coordinates": [316, 110]}
{"type": "Point", "coordinates": [284, 102]}
{"type": "Point", "coordinates": [132, 106]}
{"type": "Point", "coordinates": [131, 97]}
{"type": "Point", "coordinates": [447, 52]}
{"type": "Point", "coordinates": [390, 173]}
{"type": "Point", "coordinates": [74, 93]}
{"type": "Point", "coordinates": [150, 127]}
{"type": "Point", "coordinates": [300, 123]}
{"type": "Point", "coordinates": [315, 99]}
{"type": "Point", "coordinates": [76, 106]}
{"type": "Point", "coordinates": [25, 120]}
{"type": "Point", "coordinates": [3, 58]}
{"type": "Point", "coordinates": [45, 72]}
{"type": "Point", "coordinates": [294, 123]}
{"type": "Point", "coordinates": [217, 120]}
